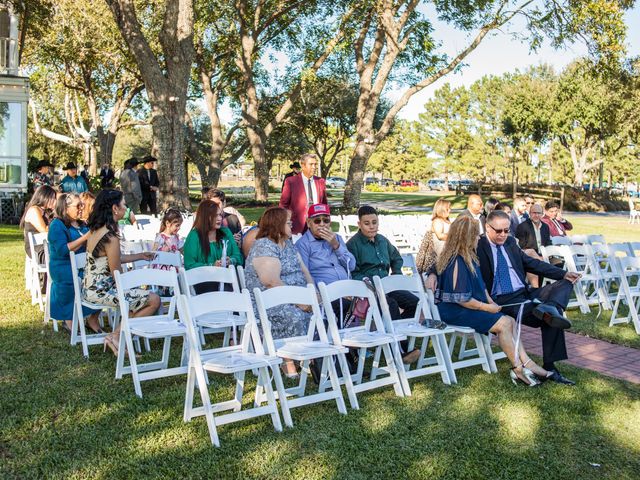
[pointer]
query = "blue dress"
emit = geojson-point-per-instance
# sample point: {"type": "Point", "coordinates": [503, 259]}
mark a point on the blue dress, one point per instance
{"type": "Point", "coordinates": [62, 294]}
{"type": "Point", "coordinates": [467, 286]}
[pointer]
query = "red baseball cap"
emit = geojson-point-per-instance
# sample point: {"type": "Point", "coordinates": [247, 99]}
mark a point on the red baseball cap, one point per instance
{"type": "Point", "coordinates": [318, 209]}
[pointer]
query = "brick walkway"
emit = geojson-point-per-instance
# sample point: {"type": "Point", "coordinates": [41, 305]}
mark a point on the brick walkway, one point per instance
{"type": "Point", "coordinates": [602, 357]}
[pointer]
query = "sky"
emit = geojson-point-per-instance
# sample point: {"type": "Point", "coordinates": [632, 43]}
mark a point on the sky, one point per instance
{"type": "Point", "coordinates": [499, 54]}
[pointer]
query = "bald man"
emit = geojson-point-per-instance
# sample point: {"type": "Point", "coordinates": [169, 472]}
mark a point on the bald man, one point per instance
{"type": "Point", "coordinates": [474, 210]}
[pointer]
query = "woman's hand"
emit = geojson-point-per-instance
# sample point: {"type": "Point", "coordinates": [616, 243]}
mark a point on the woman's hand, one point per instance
{"type": "Point", "coordinates": [305, 308]}
{"type": "Point", "coordinates": [491, 307]}
{"type": "Point", "coordinates": [146, 256]}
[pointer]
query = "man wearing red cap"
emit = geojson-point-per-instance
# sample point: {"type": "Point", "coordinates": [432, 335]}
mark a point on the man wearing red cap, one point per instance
{"type": "Point", "coordinates": [302, 191]}
{"type": "Point", "coordinates": [323, 252]}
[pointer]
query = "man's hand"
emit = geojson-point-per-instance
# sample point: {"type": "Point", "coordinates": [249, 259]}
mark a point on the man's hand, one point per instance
{"type": "Point", "coordinates": [573, 277]}
{"type": "Point", "coordinates": [431, 282]}
{"type": "Point", "coordinates": [491, 307]}
{"type": "Point", "coordinates": [330, 237]}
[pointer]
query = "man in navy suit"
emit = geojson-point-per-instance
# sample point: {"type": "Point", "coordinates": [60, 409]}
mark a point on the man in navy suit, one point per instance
{"type": "Point", "coordinates": [504, 267]}
{"type": "Point", "coordinates": [303, 190]}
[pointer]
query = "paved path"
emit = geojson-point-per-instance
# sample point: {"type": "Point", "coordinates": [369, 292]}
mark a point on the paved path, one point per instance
{"type": "Point", "coordinates": [584, 352]}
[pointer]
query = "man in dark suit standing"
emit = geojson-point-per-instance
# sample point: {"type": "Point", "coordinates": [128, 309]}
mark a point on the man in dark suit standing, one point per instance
{"type": "Point", "coordinates": [149, 184]}
{"type": "Point", "coordinates": [474, 210]}
{"type": "Point", "coordinates": [301, 191]}
{"type": "Point", "coordinates": [107, 176]}
{"type": "Point", "coordinates": [504, 266]}
{"type": "Point", "coordinates": [295, 170]}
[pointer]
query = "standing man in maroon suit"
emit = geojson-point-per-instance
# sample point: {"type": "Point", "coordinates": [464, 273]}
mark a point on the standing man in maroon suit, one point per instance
{"type": "Point", "coordinates": [303, 190]}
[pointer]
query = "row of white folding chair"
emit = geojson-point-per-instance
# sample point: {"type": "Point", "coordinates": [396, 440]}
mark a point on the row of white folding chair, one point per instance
{"type": "Point", "coordinates": [132, 233]}
{"type": "Point", "coordinates": [628, 292]}
{"type": "Point", "coordinates": [578, 240]}
{"type": "Point", "coordinates": [36, 269]}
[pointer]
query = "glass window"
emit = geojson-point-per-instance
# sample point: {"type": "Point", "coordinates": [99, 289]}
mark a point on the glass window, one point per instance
{"type": "Point", "coordinates": [11, 142]}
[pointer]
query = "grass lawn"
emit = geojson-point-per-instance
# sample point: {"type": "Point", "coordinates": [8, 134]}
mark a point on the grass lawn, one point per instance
{"type": "Point", "coordinates": [65, 417]}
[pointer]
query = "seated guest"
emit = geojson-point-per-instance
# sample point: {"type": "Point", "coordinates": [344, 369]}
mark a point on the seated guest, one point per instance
{"type": "Point", "coordinates": [504, 265]}
{"type": "Point", "coordinates": [518, 215]}
{"type": "Point", "coordinates": [474, 210]}
{"type": "Point", "coordinates": [489, 206]}
{"type": "Point", "coordinates": [207, 243]}
{"type": "Point", "coordinates": [463, 300]}
{"type": "Point", "coordinates": [36, 217]}
{"type": "Point", "coordinates": [434, 238]}
{"type": "Point", "coordinates": [129, 218]}
{"type": "Point", "coordinates": [231, 217]}
{"type": "Point", "coordinates": [531, 235]}
{"type": "Point", "coordinates": [87, 199]}
{"type": "Point", "coordinates": [248, 238]}
{"type": "Point", "coordinates": [42, 176]}
{"type": "Point", "coordinates": [273, 262]}
{"type": "Point", "coordinates": [67, 233]}
{"type": "Point", "coordinates": [104, 258]}
{"type": "Point", "coordinates": [504, 207]}
{"type": "Point", "coordinates": [323, 252]}
{"type": "Point", "coordinates": [529, 201]}
{"type": "Point", "coordinates": [375, 255]}
{"type": "Point", "coordinates": [558, 226]}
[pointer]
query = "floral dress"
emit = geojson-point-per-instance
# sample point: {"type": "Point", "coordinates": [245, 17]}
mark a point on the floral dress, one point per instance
{"type": "Point", "coordinates": [167, 243]}
{"type": "Point", "coordinates": [286, 320]}
{"type": "Point", "coordinates": [99, 286]}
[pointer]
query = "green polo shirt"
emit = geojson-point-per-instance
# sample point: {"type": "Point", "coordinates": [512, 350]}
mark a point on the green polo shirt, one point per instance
{"type": "Point", "coordinates": [374, 257]}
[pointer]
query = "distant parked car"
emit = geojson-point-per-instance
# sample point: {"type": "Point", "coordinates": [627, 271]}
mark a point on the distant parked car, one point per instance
{"type": "Point", "coordinates": [408, 183]}
{"type": "Point", "coordinates": [336, 182]}
{"type": "Point", "coordinates": [371, 181]}
{"type": "Point", "coordinates": [387, 182]}
{"type": "Point", "coordinates": [435, 184]}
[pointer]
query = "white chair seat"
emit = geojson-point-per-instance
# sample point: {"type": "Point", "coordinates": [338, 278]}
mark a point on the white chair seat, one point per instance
{"type": "Point", "coordinates": [237, 361]}
{"type": "Point", "coordinates": [415, 329]}
{"type": "Point", "coordinates": [305, 350]}
{"type": "Point", "coordinates": [368, 339]}
{"type": "Point", "coordinates": [220, 320]}
{"type": "Point", "coordinates": [156, 328]}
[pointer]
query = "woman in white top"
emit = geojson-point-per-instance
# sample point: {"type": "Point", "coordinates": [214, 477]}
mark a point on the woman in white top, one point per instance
{"type": "Point", "coordinates": [440, 223]}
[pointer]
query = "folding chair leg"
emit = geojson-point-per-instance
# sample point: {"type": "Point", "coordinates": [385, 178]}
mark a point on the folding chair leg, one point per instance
{"type": "Point", "coordinates": [486, 343]}
{"type": "Point", "coordinates": [348, 383]}
{"type": "Point", "coordinates": [443, 358]}
{"type": "Point", "coordinates": [282, 396]}
{"type": "Point", "coordinates": [335, 385]}
{"type": "Point", "coordinates": [397, 358]}
{"type": "Point", "coordinates": [208, 410]}
{"type": "Point", "coordinates": [393, 370]}
{"type": "Point", "coordinates": [271, 399]}
{"type": "Point", "coordinates": [166, 349]}
{"type": "Point", "coordinates": [482, 353]}
{"type": "Point", "coordinates": [240, 388]}
{"type": "Point", "coordinates": [188, 397]}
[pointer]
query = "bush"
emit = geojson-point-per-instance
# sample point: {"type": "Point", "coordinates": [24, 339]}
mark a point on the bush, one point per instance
{"type": "Point", "coordinates": [374, 187]}
{"type": "Point", "coordinates": [415, 188]}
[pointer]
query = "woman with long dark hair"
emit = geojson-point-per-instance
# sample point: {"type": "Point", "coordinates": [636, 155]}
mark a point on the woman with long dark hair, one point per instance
{"type": "Point", "coordinates": [208, 242]}
{"type": "Point", "coordinates": [37, 215]}
{"type": "Point", "coordinates": [104, 258]}
{"type": "Point", "coordinates": [67, 233]}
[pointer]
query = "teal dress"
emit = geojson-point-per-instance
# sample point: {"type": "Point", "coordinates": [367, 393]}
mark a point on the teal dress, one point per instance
{"type": "Point", "coordinates": [468, 285]}
{"type": "Point", "coordinates": [62, 295]}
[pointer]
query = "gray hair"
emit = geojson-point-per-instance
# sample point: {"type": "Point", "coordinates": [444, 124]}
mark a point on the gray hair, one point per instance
{"type": "Point", "coordinates": [497, 214]}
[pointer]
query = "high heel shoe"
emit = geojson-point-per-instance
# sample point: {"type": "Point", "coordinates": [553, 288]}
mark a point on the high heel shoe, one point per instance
{"type": "Point", "coordinates": [529, 380]}
{"type": "Point", "coordinates": [109, 342]}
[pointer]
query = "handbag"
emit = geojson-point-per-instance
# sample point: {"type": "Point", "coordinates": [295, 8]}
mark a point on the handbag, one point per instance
{"type": "Point", "coordinates": [427, 254]}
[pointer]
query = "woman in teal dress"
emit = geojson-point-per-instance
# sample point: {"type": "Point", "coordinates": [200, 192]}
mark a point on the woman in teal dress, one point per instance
{"type": "Point", "coordinates": [463, 300]}
{"type": "Point", "coordinates": [67, 233]}
{"type": "Point", "coordinates": [208, 242]}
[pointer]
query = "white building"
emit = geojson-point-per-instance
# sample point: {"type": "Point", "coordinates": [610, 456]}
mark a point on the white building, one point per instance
{"type": "Point", "coordinates": [14, 98]}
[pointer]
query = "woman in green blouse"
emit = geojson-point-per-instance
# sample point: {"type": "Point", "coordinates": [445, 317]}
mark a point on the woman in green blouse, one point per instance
{"type": "Point", "coordinates": [205, 244]}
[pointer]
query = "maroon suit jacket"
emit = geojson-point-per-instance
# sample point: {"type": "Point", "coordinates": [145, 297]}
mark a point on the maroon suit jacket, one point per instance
{"type": "Point", "coordinates": [554, 231]}
{"type": "Point", "coordinates": [294, 198]}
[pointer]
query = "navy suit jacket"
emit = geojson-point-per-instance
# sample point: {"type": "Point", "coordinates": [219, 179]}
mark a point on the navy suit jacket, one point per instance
{"type": "Point", "coordinates": [521, 263]}
{"type": "Point", "coordinates": [527, 237]}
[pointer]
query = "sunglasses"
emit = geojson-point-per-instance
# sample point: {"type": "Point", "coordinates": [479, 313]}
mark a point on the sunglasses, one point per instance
{"type": "Point", "coordinates": [529, 203]}
{"type": "Point", "coordinates": [499, 230]}
{"type": "Point", "coordinates": [318, 221]}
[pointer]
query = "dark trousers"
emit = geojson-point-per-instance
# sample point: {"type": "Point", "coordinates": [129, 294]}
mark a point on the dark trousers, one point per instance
{"type": "Point", "coordinates": [208, 287]}
{"type": "Point", "coordinates": [404, 300]}
{"type": "Point", "coordinates": [556, 294]}
{"type": "Point", "coordinates": [341, 313]}
{"type": "Point", "coordinates": [149, 204]}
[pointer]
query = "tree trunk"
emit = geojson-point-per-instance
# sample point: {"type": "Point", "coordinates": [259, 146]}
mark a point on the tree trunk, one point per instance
{"type": "Point", "coordinates": [361, 154]}
{"type": "Point", "coordinates": [168, 143]}
{"type": "Point", "coordinates": [106, 140]}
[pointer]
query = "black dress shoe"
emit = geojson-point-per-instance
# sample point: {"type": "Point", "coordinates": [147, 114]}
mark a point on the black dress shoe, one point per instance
{"type": "Point", "coordinates": [551, 316]}
{"type": "Point", "coordinates": [557, 377]}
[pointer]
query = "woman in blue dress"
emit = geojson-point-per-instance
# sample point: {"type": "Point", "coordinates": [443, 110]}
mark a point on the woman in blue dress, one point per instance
{"type": "Point", "coordinates": [67, 233]}
{"type": "Point", "coordinates": [463, 300]}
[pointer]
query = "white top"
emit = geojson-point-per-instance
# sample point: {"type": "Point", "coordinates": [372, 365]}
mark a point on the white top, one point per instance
{"type": "Point", "coordinates": [305, 181]}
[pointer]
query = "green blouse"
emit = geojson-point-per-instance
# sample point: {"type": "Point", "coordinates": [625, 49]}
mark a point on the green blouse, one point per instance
{"type": "Point", "coordinates": [194, 256]}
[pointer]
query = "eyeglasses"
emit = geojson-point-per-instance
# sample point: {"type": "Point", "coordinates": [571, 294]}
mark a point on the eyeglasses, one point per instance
{"type": "Point", "coordinates": [498, 230]}
{"type": "Point", "coordinates": [318, 221]}
{"type": "Point", "coordinates": [529, 203]}
{"type": "Point", "coordinates": [533, 212]}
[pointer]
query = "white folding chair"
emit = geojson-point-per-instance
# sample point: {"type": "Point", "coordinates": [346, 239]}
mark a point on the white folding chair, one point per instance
{"type": "Point", "coordinates": [229, 361]}
{"type": "Point", "coordinates": [415, 329]}
{"type": "Point", "coordinates": [590, 287]}
{"type": "Point", "coordinates": [241, 278]}
{"type": "Point", "coordinates": [47, 295]}
{"type": "Point", "coordinates": [634, 248]}
{"type": "Point", "coordinates": [78, 329]}
{"type": "Point", "coordinates": [227, 323]}
{"type": "Point", "coordinates": [164, 326]}
{"type": "Point", "coordinates": [559, 240]}
{"type": "Point", "coordinates": [596, 240]}
{"type": "Point", "coordinates": [409, 264]}
{"type": "Point", "coordinates": [305, 348]}
{"type": "Point", "coordinates": [372, 334]}
{"type": "Point", "coordinates": [561, 252]}
{"type": "Point", "coordinates": [37, 269]}
{"type": "Point", "coordinates": [633, 213]}
{"type": "Point", "coordinates": [629, 292]}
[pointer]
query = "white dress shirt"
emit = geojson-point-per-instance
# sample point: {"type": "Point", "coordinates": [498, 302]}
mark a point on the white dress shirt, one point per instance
{"type": "Point", "coordinates": [305, 181]}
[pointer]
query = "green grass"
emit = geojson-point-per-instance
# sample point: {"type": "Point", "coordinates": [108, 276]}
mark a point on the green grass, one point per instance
{"type": "Point", "coordinates": [65, 417]}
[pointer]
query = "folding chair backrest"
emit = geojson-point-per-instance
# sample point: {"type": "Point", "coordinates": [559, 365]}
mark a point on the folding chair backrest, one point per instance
{"type": "Point", "coordinates": [561, 240]}
{"type": "Point", "coordinates": [409, 263]}
{"type": "Point", "coordinates": [355, 289]}
{"type": "Point", "coordinates": [78, 263]}
{"type": "Point", "coordinates": [580, 259]}
{"type": "Point", "coordinates": [167, 259]}
{"type": "Point", "coordinates": [579, 239]}
{"type": "Point", "coordinates": [629, 265]}
{"type": "Point", "coordinates": [241, 278]}
{"type": "Point", "coordinates": [35, 240]}
{"type": "Point", "coordinates": [291, 295]}
{"type": "Point", "coordinates": [145, 278]}
{"type": "Point", "coordinates": [618, 250]}
{"type": "Point", "coordinates": [394, 283]}
{"type": "Point", "coordinates": [634, 248]}
{"type": "Point", "coordinates": [596, 240]}
{"type": "Point", "coordinates": [185, 228]}
{"type": "Point", "coordinates": [195, 276]}
{"type": "Point", "coordinates": [554, 251]}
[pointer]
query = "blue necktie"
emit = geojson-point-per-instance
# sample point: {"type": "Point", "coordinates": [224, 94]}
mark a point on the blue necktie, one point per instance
{"type": "Point", "coordinates": [503, 279]}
